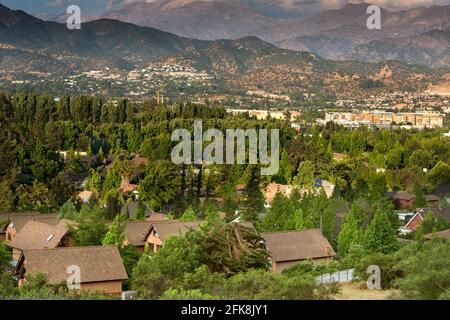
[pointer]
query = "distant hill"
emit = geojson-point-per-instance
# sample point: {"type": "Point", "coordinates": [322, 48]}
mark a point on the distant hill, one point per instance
{"type": "Point", "coordinates": [32, 48]}
{"type": "Point", "coordinates": [208, 20]}
{"type": "Point", "coordinates": [332, 34]}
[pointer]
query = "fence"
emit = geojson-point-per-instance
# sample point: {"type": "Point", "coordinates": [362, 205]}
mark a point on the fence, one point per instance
{"type": "Point", "coordinates": [338, 276]}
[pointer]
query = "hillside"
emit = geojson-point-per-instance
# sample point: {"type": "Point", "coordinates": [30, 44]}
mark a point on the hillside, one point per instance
{"type": "Point", "coordinates": [35, 49]}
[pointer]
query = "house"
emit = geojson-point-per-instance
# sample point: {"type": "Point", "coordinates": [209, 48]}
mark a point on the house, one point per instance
{"type": "Point", "coordinates": [38, 235]}
{"type": "Point", "coordinates": [403, 200]}
{"type": "Point", "coordinates": [445, 234]}
{"type": "Point", "coordinates": [432, 200]}
{"type": "Point", "coordinates": [18, 220]}
{"type": "Point", "coordinates": [135, 234]}
{"type": "Point", "coordinates": [161, 230]}
{"type": "Point", "coordinates": [420, 215]}
{"type": "Point", "coordinates": [126, 186]}
{"type": "Point", "coordinates": [327, 186]}
{"type": "Point", "coordinates": [288, 248]}
{"type": "Point", "coordinates": [101, 267]}
{"type": "Point", "coordinates": [85, 196]}
{"type": "Point", "coordinates": [272, 189]}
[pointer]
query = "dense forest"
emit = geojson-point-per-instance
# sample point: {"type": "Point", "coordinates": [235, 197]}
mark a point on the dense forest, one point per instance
{"type": "Point", "coordinates": [102, 137]}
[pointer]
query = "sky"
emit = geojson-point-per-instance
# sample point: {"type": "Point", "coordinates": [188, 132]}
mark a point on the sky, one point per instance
{"type": "Point", "coordinates": [96, 7]}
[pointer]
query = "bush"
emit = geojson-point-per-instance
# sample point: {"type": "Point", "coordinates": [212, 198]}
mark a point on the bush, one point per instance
{"type": "Point", "coordinates": [387, 263]}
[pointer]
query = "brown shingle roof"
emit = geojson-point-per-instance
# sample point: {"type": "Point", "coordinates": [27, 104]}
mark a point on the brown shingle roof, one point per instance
{"type": "Point", "coordinates": [298, 245]}
{"type": "Point", "coordinates": [168, 228]}
{"type": "Point", "coordinates": [155, 217]}
{"type": "Point", "coordinates": [37, 235]}
{"type": "Point", "coordinates": [403, 195]}
{"type": "Point", "coordinates": [135, 232]}
{"type": "Point", "coordinates": [96, 264]}
{"type": "Point", "coordinates": [19, 220]}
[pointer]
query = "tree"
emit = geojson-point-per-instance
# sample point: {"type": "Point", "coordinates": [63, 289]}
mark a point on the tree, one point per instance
{"type": "Point", "coordinates": [305, 175]}
{"type": "Point", "coordinates": [380, 236]}
{"type": "Point", "coordinates": [231, 248]}
{"type": "Point", "coordinates": [419, 197]}
{"type": "Point", "coordinates": [160, 184]}
{"type": "Point", "coordinates": [351, 234]}
{"type": "Point", "coordinates": [61, 190]}
{"type": "Point", "coordinates": [130, 257]}
{"type": "Point", "coordinates": [426, 273]}
{"type": "Point", "coordinates": [68, 211]}
{"type": "Point", "coordinates": [6, 196]}
{"type": "Point", "coordinates": [91, 227]}
{"type": "Point", "coordinates": [440, 173]}
{"type": "Point", "coordinates": [279, 216]}
{"type": "Point", "coordinates": [431, 223]}
{"type": "Point", "coordinates": [189, 215]}
{"type": "Point", "coordinates": [387, 263]}
{"type": "Point", "coordinates": [113, 178]}
{"type": "Point", "coordinates": [94, 181]}
{"type": "Point", "coordinates": [253, 204]}
{"type": "Point", "coordinates": [116, 231]}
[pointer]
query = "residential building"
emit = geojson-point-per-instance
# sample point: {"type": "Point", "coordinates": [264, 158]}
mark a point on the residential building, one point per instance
{"type": "Point", "coordinates": [419, 216]}
{"type": "Point", "coordinates": [100, 267]}
{"type": "Point", "coordinates": [288, 248]}
{"type": "Point", "coordinates": [18, 220]}
{"type": "Point", "coordinates": [160, 231]}
{"type": "Point", "coordinates": [135, 234]}
{"type": "Point", "coordinates": [38, 235]}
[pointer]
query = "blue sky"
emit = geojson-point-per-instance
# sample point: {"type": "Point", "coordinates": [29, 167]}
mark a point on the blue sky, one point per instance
{"type": "Point", "coordinates": [56, 6]}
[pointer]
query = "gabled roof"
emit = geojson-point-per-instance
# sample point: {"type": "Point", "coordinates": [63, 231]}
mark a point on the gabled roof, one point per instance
{"type": "Point", "coordinates": [97, 264]}
{"type": "Point", "coordinates": [19, 220]}
{"type": "Point", "coordinates": [297, 245]}
{"type": "Point", "coordinates": [437, 212]}
{"type": "Point", "coordinates": [135, 232]}
{"type": "Point", "coordinates": [37, 235]}
{"type": "Point", "coordinates": [403, 195]}
{"type": "Point", "coordinates": [168, 228]}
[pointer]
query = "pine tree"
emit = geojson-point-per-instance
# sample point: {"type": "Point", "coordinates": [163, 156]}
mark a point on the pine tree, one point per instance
{"type": "Point", "coordinates": [419, 197]}
{"type": "Point", "coordinates": [116, 231]}
{"type": "Point", "coordinates": [189, 215]}
{"type": "Point", "coordinates": [380, 236]}
{"type": "Point", "coordinates": [253, 204]}
{"type": "Point", "coordinates": [350, 234]}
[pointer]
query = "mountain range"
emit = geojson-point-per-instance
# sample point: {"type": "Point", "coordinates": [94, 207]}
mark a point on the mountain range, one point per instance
{"type": "Point", "coordinates": [31, 48]}
{"type": "Point", "coordinates": [338, 34]}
